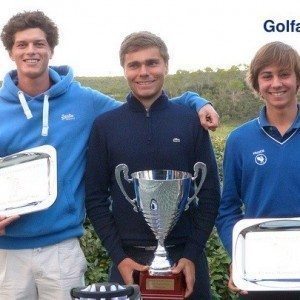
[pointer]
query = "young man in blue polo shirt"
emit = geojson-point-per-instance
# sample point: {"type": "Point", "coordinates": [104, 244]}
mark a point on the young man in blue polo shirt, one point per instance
{"type": "Point", "coordinates": [261, 162]}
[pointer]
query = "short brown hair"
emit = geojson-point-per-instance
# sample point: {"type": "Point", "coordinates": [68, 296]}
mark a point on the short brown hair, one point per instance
{"type": "Point", "coordinates": [26, 20]}
{"type": "Point", "coordinates": [277, 53]}
{"type": "Point", "coordinates": [142, 40]}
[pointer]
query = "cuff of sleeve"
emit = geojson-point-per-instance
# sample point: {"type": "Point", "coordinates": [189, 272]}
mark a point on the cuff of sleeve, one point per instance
{"type": "Point", "coordinates": [199, 106]}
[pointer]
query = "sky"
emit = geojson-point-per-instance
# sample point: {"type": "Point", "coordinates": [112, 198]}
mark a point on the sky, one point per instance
{"type": "Point", "coordinates": [199, 34]}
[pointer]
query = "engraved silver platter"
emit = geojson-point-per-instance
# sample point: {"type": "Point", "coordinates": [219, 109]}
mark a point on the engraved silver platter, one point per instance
{"type": "Point", "coordinates": [28, 181]}
{"type": "Point", "coordinates": [265, 254]}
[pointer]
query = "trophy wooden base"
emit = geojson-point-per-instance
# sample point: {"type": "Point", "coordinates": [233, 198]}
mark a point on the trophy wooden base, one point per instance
{"type": "Point", "coordinates": [167, 287]}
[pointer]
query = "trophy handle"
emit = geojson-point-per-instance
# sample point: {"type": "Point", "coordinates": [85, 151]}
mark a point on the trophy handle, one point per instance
{"type": "Point", "coordinates": [124, 168]}
{"type": "Point", "coordinates": [198, 166]}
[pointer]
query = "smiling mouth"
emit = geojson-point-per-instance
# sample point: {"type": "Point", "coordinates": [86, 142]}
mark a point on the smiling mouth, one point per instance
{"type": "Point", "coordinates": [144, 82]}
{"type": "Point", "coordinates": [31, 61]}
{"type": "Point", "coordinates": [277, 94]}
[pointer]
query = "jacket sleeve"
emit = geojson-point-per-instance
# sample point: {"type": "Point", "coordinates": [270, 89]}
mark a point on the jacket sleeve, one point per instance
{"type": "Point", "coordinates": [204, 214]}
{"type": "Point", "coordinates": [230, 210]}
{"type": "Point", "coordinates": [191, 100]}
{"type": "Point", "coordinates": [103, 103]}
{"type": "Point", "coordinates": [97, 184]}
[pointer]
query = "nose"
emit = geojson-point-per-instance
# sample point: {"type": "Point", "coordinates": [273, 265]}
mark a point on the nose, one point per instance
{"type": "Point", "coordinates": [143, 70]}
{"type": "Point", "coordinates": [30, 48]}
{"type": "Point", "coordinates": [276, 82]}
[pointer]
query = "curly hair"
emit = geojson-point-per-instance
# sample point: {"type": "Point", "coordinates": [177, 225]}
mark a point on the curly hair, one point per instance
{"type": "Point", "coordinates": [26, 20]}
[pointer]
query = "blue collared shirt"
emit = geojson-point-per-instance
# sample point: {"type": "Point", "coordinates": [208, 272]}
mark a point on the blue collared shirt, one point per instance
{"type": "Point", "coordinates": [273, 131]}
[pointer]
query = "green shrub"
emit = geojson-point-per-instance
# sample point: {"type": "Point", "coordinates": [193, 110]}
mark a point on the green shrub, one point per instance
{"type": "Point", "coordinates": [218, 262]}
{"type": "Point", "coordinates": [97, 259]}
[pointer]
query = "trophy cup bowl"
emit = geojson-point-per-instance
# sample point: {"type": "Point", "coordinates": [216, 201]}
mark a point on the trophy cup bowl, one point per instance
{"type": "Point", "coordinates": [161, 197]}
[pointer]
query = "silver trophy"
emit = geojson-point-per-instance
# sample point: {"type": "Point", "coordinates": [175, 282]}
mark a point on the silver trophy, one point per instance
{"type": "Point", "coordinates": [161, 196]}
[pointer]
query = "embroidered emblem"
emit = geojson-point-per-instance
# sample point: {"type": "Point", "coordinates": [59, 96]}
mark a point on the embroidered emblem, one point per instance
{"type": "Point", "coordinates": [260, 159]}
{"type": "Point", "coordinates": [176, 140]}
{"type": "Point", "coordinates": [67, 117]}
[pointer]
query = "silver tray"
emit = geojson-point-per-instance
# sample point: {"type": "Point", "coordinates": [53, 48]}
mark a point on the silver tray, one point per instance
{"type": "Point", "coordinates": [265, 254]}
{"type": "Point", "coordinates": [28, 181]}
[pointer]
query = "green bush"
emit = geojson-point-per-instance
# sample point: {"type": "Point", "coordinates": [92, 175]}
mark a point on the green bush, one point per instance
{"type": "Point", "coordinates": [98, 261]}
{"type": "Point", "coordinates": [218, 259]}
{"type": "Point", "coordinates": [218, 262]}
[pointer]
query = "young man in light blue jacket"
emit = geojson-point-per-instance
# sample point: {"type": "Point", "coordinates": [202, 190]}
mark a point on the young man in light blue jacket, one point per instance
{"type": "Point", "coordinates": [40, 256]}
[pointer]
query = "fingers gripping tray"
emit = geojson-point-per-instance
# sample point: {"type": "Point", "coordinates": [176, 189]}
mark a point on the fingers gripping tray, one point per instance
{"type": "Point", "coordinates": [266, 255]}
{"type": "Point", "coordinates": [28, 181]}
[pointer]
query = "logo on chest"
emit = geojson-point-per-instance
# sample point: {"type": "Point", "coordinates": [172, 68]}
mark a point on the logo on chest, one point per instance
{"type": "Point", "coordinates": [67, 117]}
{"type": "Point", "coordinates": [260, 157]}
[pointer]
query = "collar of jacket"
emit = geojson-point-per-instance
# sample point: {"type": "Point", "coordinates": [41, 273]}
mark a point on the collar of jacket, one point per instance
{"type": "Point", "coordinates": [135, 105]}
{"type": "Point", "coordinates": [263, 121]}
{"type": "Point", "coordinates": [61, 77]}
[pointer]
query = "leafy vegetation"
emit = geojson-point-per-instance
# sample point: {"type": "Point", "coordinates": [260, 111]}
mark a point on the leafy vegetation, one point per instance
{"type": "Point", "coordinates": [97, 259]}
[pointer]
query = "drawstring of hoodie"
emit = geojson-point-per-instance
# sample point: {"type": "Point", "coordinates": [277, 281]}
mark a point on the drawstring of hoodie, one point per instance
{"type": "Point", "coordinates": [28, 113]}
{"type": "Point", "coordinates": [24, 104]}
{"type": "Point", "coordinates": [45, 116]}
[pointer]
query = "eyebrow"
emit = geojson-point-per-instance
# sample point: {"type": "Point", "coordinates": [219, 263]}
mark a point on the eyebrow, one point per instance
{"type": "Point", "coordinates": [144, 61]}
{"type": "Point", "coordinates": [26, 41]}
{"type": "Point", "coordinates": [279, 71]}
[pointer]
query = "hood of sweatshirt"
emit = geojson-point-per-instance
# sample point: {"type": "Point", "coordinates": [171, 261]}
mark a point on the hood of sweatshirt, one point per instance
{"type": "Point", "coordinates": [61, 77]}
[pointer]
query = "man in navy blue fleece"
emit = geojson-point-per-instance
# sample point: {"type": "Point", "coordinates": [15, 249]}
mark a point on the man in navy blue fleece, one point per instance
{"type": "Point", "coordinates": [261, 163]}
{"type": "Point", "coordinates": [40, 256]}
{"type": "Point", "coordinates": [150, 132]}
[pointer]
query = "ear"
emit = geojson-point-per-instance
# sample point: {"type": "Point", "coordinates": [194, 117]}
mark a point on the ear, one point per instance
{"type": "Point", "coordinates": [260, 95]}
{"type": "Point", "coordinates": [11, 56]}
{"type": "Point", "coordinates": [167, 69]}
{"type": "Point", "coordinates": [52, 53]}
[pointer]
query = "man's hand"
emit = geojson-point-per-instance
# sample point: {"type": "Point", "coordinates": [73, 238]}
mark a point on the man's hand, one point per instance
{"type": "Point", "coordinates": [188, 269]}
{"type": "Point", "coordinates": [4, 221]}
{"type": "Point", "coordinates": [126, 268]}
{"type": "Point", "coordinates": [232, 287]}
{"type": "Point", "coordinates": [209, 118]}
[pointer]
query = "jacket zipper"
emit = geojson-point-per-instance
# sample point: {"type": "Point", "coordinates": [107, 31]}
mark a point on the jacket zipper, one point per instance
{"type": "Point", "coordinates": [148, 120]}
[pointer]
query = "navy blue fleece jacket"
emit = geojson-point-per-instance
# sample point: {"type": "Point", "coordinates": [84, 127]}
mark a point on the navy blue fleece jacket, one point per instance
{"type": "Point", "coordinates": [145, 140]}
